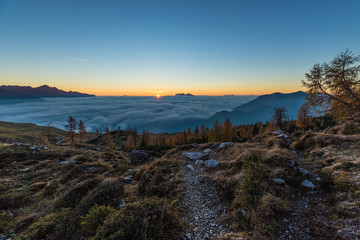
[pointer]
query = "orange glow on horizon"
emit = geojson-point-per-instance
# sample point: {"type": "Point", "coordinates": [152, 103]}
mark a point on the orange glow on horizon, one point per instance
{"type": "Point", "coordinates": [104, 92]}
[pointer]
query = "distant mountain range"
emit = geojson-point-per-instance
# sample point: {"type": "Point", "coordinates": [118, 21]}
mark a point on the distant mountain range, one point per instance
{"type": "Point", "coordinates": [261, 108]}
{"type": "Point", "coordinates": [27, 92]}
{"type": "Point", "coordinates": [183, 94]}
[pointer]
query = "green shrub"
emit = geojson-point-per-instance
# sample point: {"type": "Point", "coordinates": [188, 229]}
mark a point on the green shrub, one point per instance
{"type": "Point", "coordinates": [254, 182]}
{"type": "Point", "coordinates": [95, 217]}
{"type": "Point", "coordinates": [159, 179]}
{"type": "Point", "coordinates": [109, 192]}
{"type": "Point", "coordinates": [150, 219]}
{"type": "Point", "coordinates": [48, 227]}
{"type": "Point", "coordinates": [75, 194]}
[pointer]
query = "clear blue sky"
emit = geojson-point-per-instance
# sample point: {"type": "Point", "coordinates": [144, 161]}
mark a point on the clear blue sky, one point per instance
{"type": "Point", "coordinates": [199, 46]}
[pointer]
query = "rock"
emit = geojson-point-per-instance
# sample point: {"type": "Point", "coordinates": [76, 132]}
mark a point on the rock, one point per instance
{"type": "Point", "coordinates": [308, 184]}
{"type": "Point", "coordinates": [211, 163]}
{"type": "Point", "coordinates": [302, 170]}
{"type": "Point", "coordinates": [279, 132]}
{"type": "Point", "coordinates": [188, 236]}
{"type": "Point", "coordinates": [207, 151]}
{"type": "Point", "coordinates": [226, 144]}
{"type": "Point", "coordinates": [26, 169]}
{"type": "Point", "coordinates": [318, 179]}
{"type": "Point", "coordinates": [199, 162]}
{"type": "Point", "coordinates": [278, 180]}
{"type": "Point", "coordinates": [190, 167]}
{"type": "Point", "coordinates": [66, 162]}
{"type": "Point", "coordinates": [292, 163]}
{"type": "Point", "coordinates": [193, 155]}
{"type": "Point", "coordinates": [122, 203]}
{"type": "Point", "coordinates": [127, 180]}
{"type": "Point", "coordinates": [91, 169]}
{"type": "Point", "coordinates": [137, 157]}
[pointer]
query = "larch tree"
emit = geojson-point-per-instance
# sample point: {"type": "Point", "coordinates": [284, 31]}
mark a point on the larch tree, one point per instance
{"type": "Point", "coordinates": [303, 117]}
{"type": "Point", "coordinates": [145, 139]}
{"type": "Point", "coordinates": [71, 127]}
{"type": "Point", "coordinates": [279, 117]}
{"type": "Point", "coordinates": [196, 133]}
{"type": "Point", "coordinates": [334, 88]}
{"type": "Point", "coordinates": [82, 130]}
{"type": "Point", "coordinates": [227, 134]}
{"type": "Point", "coordinates": [203, 133]}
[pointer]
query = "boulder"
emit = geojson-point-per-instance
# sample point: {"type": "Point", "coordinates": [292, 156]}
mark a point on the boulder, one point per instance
{"type": "Point", "coordinates": [137, 157]}
{"type": "Point", "coordinates": [193, 155]}
{"type": "Point", "coordinates": [226, 144]}
{"type": "Point", "coordinates": [211, 163]}
{"type": "Point", "coordinates": [308, 184]}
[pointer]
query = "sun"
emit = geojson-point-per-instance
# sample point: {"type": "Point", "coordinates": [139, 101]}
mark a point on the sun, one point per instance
{"type": "Point", "coordinates": [157, 95]}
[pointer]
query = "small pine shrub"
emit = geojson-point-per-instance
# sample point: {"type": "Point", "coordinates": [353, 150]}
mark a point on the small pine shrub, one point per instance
{"type": "Point", "coordinates": [151, 219]}
{"type": "Point", "coordinates": [95, 217]}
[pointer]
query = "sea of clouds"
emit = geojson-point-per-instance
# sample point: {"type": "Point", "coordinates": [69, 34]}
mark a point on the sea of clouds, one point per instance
{"type": "Point", "coordinates": [168, 114]}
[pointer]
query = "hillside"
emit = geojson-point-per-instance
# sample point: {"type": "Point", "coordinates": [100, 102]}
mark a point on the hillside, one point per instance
{"type": "Point", "coordinates": [37, 92]}
{"type": "Point", "coordinates": [264, 188]}
{"type": "Point", "coordinates": [262, 108]}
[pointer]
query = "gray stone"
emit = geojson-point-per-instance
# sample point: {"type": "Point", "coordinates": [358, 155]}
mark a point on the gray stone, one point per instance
{"type": "Point", "coordinates": [122, 203]}
{"type": "Point", "coordinates": [211, 163]}
{"type": "Point", "coordinates": [137, 157]}
{"type": "Point", "coordinates": [188, 235]}
{"type": "Point", "coordinates": [292, 163]}
{"type": "Point", "coordinates": [279, 132]}
{"type": "Point", "coordinates": [193, 155]}
{"type": "Point", "coordinates": [226, 144]}
{"type": "Point", "coordinates": [190, 167]}
{"type": "Point", "coordinates": [308, 184]}
{"type": "Point", "coordinates": [199, 162]}
{"type": "Point", "coordinates": [302, 170]}
{"type": "Point", "coordinates": [128, 180]}
{"type": "Point", "coordinates": [208, 150]}
{"type": "Point", "coordinates": [278, 180]}
{"type": "Point", "coordinates": [91, 169]}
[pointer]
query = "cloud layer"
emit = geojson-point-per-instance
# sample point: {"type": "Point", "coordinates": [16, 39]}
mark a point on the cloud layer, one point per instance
{"type": "Point", "coordinates": [167, 114]}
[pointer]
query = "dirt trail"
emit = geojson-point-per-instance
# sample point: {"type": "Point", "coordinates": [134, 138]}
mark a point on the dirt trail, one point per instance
{"type": "Point", "coordinates": [308, 219]}
{"type": "Point", "coordinates": [203, 208]}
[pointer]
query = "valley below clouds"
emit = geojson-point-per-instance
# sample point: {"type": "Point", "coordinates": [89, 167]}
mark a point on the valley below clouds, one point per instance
{"type": "Point", "coordinates": [168, 114]}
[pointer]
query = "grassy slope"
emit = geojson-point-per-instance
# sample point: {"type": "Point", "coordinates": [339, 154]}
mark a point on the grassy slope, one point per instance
{"type": "Point", "coordinates": [29, 132]}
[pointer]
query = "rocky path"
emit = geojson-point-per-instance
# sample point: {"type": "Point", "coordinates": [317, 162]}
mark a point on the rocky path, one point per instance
{"type": "Point", "coordinates": [308, 219]}
{"type": "Point", "coordinates": [203, 207]}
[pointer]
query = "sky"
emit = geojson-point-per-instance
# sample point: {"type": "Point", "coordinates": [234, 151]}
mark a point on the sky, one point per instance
{"type": "Point", "coordinates": [206, 47]}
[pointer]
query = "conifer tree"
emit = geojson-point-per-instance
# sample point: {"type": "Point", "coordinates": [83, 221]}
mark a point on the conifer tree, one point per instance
{"type": "Point", "coordinates": [334, 87]}
{"type": "Point", "coordinates": [203, 133]}
{"type": "Point", "coordinates": [71, 127]}
{"type": "Point", "coordinates": [303, 117]}
{"type": "Point", "coordinates": [196, 133]}
{"type": "Point", "coordinates": [279, 117]}
{"type": "Point", "coordinates": [227, 135]}
{"type": "Point", "coordinates": [82, 130]}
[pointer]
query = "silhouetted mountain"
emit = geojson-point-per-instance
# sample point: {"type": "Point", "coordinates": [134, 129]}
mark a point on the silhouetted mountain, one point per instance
{"type": "Point", "coordinates": [42, 91]}
{"type": "Point", "coordinates": [12, 96]}
{"type": "Point", "coordinates": [262, 108]}
{"type": "Point", "coordinates": [183, 94]}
